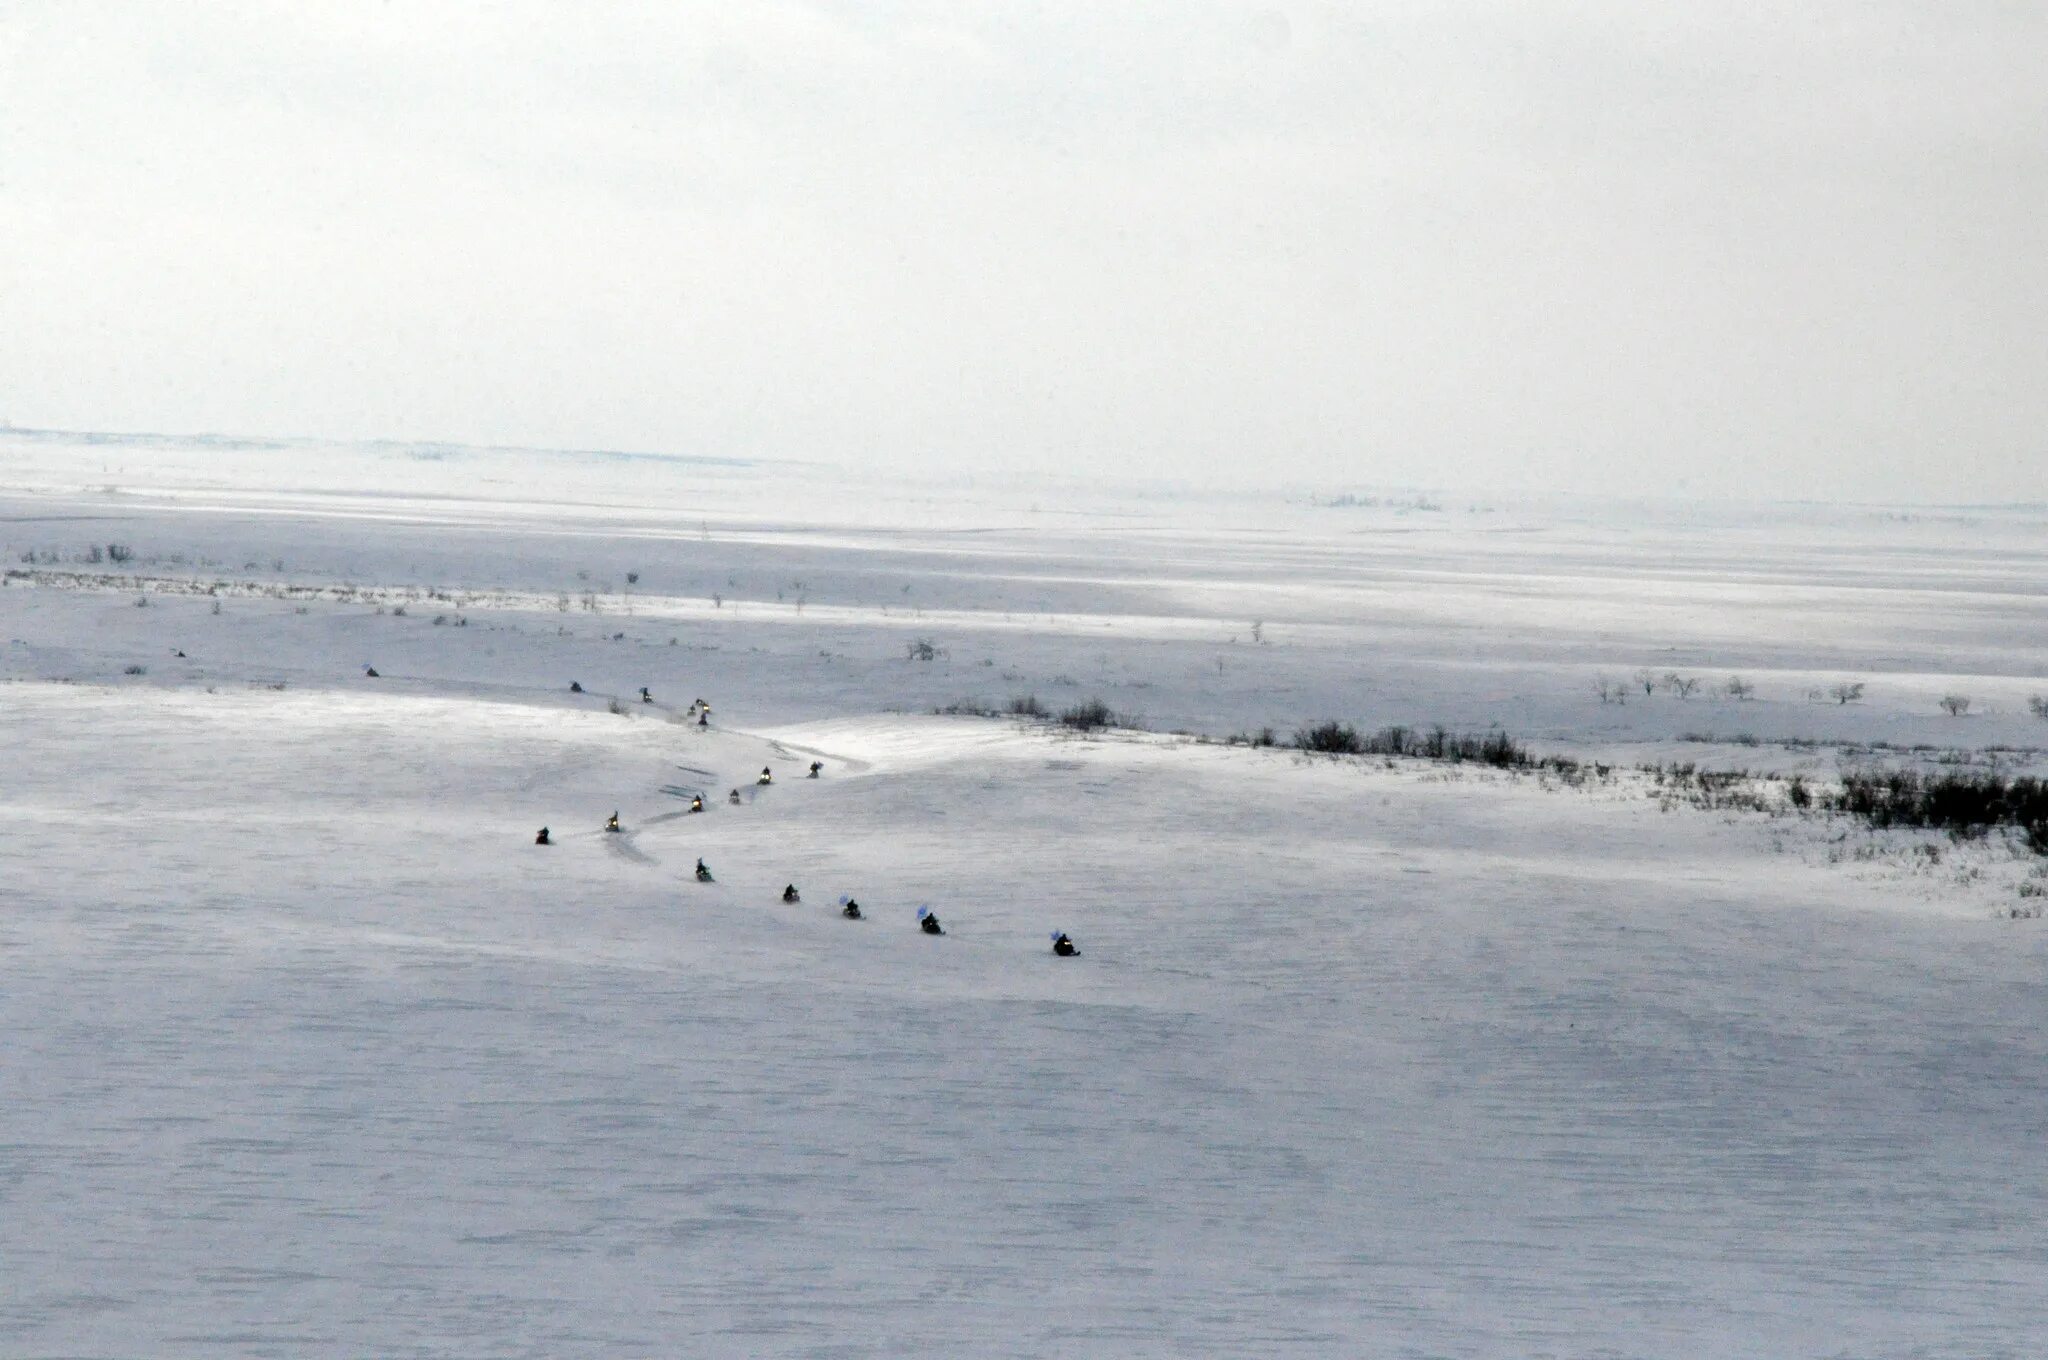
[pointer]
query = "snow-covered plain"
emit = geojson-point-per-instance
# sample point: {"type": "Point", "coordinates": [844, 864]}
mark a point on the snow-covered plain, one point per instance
{"type": "Point", "coordinates": [307, 1050]}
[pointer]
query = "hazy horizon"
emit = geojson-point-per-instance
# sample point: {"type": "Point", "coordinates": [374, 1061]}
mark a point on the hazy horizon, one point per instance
{"type": "Point", "coordinates": [1763, 252]}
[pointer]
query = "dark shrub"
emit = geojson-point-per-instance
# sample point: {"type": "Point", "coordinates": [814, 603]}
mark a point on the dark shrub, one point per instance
{"type": "Point", "coordinates": [1086, 717]}
{"type": "Point", "coordinates": [1965, 803]}
{"type": "Point", "coordinates": [1438, 743]}
{"type": "Point", "coordinates": [1499, 749]}
{"type": "Point", "coordinates": [1331, 738]}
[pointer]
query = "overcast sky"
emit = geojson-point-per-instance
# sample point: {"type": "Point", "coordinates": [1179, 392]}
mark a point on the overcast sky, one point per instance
{"type": "Point", "coordinates": [1787, 249]}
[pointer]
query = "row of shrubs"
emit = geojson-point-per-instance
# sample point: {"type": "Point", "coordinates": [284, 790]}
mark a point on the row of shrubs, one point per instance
{"type": "Point", "coordinates": [1434, 743]}
{"type": "Point", "coordinates": [1085, 717]}
{"type": "Point", "coordinates": [1966, 803]}
{"type": "Point", "coordinates": [1331, 738]}
{"type": "Point", "coordinates": [118, 552]}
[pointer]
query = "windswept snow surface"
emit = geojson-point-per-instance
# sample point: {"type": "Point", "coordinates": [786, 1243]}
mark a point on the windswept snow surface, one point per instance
{"type": "Point", "coordinates": [309, 1051]}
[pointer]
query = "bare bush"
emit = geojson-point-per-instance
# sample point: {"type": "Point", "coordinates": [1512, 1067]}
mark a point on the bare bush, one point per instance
{"type": "Point", "coordinates": [1027, 706]}
{"type": "Point", "coordinates": [1648, 680]}
{"type": "Point", "coordinates": [1330, 738]}
{"type": "Point", "coordinates": [120, 552]}
{"type": "Point", "coordinates": [1682, 685]}
{"type": "Point", "coordinates": [1610, 691]}
{"type": "Point", "coordinates": [1846, 691]}
{"type": "Point", "coordinates": [1088, 716]}
{"type": "Point", "coordinates": [2037, 704]}
{"type": "Point", "coordinates": [135, 670]}
{"type": "Point", "coordinates": [1738, 688]}
{"type": "Point", "coordinates": [922, 649]}
{"type": "Point", "coordinates": [1955, 705]}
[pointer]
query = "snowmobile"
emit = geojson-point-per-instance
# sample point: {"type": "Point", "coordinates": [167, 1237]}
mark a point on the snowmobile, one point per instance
{"type": "Point", "coordinates": [1063, 946]}
{"type": "Point", "coordinates": [645, 697]}
{"type": "Point", "coordinates": [542, 838]}
{"type": "Point", "coordinates": [611, 823]}
{"type": "Point", "coordinates": [816, 766]}
{"type": "Point", "coordinates": [790, 894]}
{"type": "Point", "coordinates": [849, 908]}
{"type": "Point", "coordinates": [928, 921]}
{"type": "Point", "coordinates": [703, 872]}
{"type": "Point", "coordinates": [766, 777]}
{"type": "Point", "coordinates": [575, 686]}
{"type": "Point", "coordinates": [704, 718]}
{"type": "Point", "coordinates": [697, 803]}
{"type": "Point", "coordinates": [734, 798]}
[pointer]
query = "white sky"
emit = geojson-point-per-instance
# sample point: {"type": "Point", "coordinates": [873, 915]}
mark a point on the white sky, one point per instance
{"type": "Point", "coordinates": [1775, 249]}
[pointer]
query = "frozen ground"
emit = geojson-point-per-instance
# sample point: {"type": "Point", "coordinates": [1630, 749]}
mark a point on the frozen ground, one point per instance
{"type": "Point", "coordinates": [309, 1052]}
